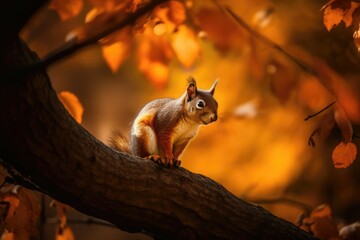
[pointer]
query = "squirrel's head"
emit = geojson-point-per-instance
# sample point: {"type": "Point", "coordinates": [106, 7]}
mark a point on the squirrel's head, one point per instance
{"type": "Point", "coordinates": [200, 105]}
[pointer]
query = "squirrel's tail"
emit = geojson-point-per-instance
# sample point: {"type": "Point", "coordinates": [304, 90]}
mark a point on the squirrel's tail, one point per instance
{"type": "Point", "coordinates": [119, 141]}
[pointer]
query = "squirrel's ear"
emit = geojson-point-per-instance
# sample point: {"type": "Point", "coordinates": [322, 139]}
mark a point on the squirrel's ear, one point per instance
{"type": "Point", "coordinates": [212, 89]}
{"type": "Point", "coordinates": [191, 89]}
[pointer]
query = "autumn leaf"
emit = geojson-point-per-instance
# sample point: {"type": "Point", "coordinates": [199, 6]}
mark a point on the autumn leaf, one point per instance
{"type": "Point", "coordinates": [64, 233]}
{"type": "Point", "coordinates": [344, 154]}
{"type": "Point", "coordinates": [334, 12]}
{"type": "Point", "coordinates": [321, 223]}
{"type": "Point", "coordinates": [185, 45]}
{"type": "Point", "coordinates": [67, 8]}
{"type": "Point", "coordinates": [347, 11]}
{"type": "Point", "coordinates": [154, 55]}
{"type": "Point", "coordinates": [115, 54]}
{"type": "Point", "coordinates": [356, 28]}
{"type": "Point", "coordinates": [72, 105]}
{"type": "Point", "coordinates": [116, 48]}
{"type": "Point", "coordinates": [177, 12]}
{"type": "Point", "coordinates": [23, 213]}
{"type": "Point", "coordinates": [221, 29]}
{"type": "Point", "coordinates": [96, 20]}
{"type": "Point", "coordinates": [171, 13]}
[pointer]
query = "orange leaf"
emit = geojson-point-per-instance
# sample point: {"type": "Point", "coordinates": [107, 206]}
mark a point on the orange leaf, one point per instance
{"type": "Point", "coordinates": [96, 20]}
{"type": "Point", "coordinates": [323, 210]}
{"type": "Point", "coordinates": [115, 54]}
{"type": "Point", "coordinates": [221, 29]}
{"type": "Point", "coordinates": [321, 223]}
{"type": "Point", "coordinates": [334, 12]}
{"type": "Point", "coordinates": [356, 29]}
{"type": "Point", "coordinates": [154, 55]}
{"type": "Point", "coordinates": [344, 154]}
{"type": "Point", "coordinates": [177, 13]}
{"type": "Point", "coordinates": [343, 122]}
{"type": "Point", "coordinates": [171, 13]}
{"type": "Point", "coordinates": [185, 46]}
{"type": "Point", "coordinates": [67, 8]}
{"type": "Point", "coordinates": [23, 213]}
{"type": "Point", "coordinates": [64, 233]}
{"type": "Point", "coordinates": [72, 105]}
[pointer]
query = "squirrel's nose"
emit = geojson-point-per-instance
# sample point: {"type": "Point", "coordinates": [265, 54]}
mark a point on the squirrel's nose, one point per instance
{"type": "Point", "coordinates": [214, 117]}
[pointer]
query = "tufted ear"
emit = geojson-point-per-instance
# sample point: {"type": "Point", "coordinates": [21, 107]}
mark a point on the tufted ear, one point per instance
{"type": "Point", "coordinates": [191, 90]}
{"type": "Point", "coordinates": [212, 89]}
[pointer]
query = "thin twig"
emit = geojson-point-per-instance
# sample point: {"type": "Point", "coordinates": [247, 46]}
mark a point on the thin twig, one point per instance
{"type": "Point", "coordinates": [322, 110]}
{"type": "Point", "coordinates": [74, 45]}
{"type": "Point", "coordinates": [65, 50]}
{"type": "Point", "coordinates": [264, 39]}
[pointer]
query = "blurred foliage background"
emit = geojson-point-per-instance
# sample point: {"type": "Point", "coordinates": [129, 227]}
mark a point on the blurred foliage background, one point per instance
{"type": "Point", "coordinates": [258, 149]}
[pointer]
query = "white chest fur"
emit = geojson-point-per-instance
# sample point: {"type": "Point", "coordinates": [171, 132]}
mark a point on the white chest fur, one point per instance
{"type": "Point", "coordinates": [184, 131]}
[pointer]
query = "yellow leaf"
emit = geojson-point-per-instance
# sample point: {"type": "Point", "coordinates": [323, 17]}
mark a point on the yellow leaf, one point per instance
{"type": "Point", "coordinates": [185, 45]}
{"type": "Point", "coordinates": [67, 8]}
{"type": "Point", "coordinates": [115, 54]}
{"type": "Point", "coordinates": [344, 154]}
{"type": "Point", "coordinates": [72, 105]}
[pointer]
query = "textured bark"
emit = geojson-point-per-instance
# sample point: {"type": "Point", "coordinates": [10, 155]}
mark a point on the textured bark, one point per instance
{"type": "Point", "coordinates": [40, 141]}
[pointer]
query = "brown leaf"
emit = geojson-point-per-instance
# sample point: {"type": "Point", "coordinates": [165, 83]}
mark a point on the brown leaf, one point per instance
{"type": "Point", "coordinates": [72, 105]}
{"type": "Point", "coordinates": [343, 122]}
{"type": "Point", "coordinates": [344, 154]}
{"type": "Point", "coordinates": [67, 8]}
{"type": "Point", "coordinates": [221, 29]}
{"type": "Point", "coordinates": [185, 45]}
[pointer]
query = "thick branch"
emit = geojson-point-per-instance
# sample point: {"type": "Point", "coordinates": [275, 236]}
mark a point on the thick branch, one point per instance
{"type": "Point", "coordinates": [41, 141]}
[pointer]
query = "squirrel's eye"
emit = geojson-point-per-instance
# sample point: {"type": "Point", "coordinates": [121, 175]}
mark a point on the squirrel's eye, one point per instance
{"type": "Point", "coordinates": [200, 104]}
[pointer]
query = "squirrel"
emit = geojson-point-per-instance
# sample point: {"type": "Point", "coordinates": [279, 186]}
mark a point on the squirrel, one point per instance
{"type": "Point", "coordinates": [164, 127]}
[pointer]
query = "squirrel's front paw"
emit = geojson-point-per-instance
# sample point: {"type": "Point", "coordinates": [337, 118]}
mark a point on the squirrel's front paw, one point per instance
{"type": "Point", "coordinates": [164, 161]}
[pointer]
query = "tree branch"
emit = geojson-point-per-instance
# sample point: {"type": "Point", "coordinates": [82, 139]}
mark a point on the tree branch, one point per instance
{"type": "Point", "coordinates": [43, 143]}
